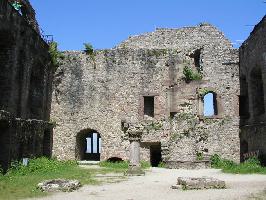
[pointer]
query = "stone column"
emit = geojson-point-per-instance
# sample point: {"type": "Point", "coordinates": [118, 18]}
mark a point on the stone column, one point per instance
{"type": "Point", "coordinates": [134, 165]}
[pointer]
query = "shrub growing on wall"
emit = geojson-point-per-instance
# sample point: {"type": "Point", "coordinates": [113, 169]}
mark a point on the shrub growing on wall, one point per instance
{"type": "Point", "coordinates": [190, 75]}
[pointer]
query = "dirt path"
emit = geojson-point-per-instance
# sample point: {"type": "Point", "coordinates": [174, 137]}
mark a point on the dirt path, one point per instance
{"type": "Point", "coordinates": [155, 185]}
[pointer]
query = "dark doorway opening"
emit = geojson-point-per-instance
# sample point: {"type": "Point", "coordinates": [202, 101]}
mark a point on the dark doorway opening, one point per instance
{"type": "Point", "coordinates": [47, 143]}
{"type": "Point", "coordinates": [88, 145]}
{"type": "Point", "coordinates": [155, 154]}
{"type": "Point", "coordinates": [243, 149]}
{"type": "Point", "coordinates": [4, 146]}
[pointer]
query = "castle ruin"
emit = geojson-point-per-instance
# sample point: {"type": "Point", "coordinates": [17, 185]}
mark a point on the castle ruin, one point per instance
{"type": "Point", "coordinates": [141, 82]}
{"type": "Point", "coordinates": [159, 83]}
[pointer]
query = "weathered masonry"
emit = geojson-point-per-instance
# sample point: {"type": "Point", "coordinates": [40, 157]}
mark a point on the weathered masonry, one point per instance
{"type": "Point", "coordinates": [25, 86]}
{"type": "Point", "coordinates": [160, 81]}
{"type": "Point", "coordinates": [252, 93]}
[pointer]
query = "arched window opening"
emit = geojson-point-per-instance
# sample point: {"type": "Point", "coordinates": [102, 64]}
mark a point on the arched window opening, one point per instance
{"type": "Point", "coordinates": [36, 92]}
{"type": "Point", "coordinates": [210, 104]}
{"type": "Point", "coordinates": [88, 145]}
{"type": "Point", "coordinates": [257, 92]}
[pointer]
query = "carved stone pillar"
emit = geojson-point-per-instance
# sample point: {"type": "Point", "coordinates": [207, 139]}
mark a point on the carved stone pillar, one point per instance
{"type": "Point", "coordinates": [134, 165]}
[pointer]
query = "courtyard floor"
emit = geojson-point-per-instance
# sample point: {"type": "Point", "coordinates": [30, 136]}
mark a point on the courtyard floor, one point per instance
{"type": "Point", "coordinates": [156, 185]}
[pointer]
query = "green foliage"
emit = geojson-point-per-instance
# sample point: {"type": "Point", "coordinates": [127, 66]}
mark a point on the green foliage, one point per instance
{"type": "Point", "coordinates": [40, 165]}
{"type": "Point", "coordinates": [122, 164]}
{"type": "Point", "coordinates": [54, 53]}
{"type": "Point", "coordinates": [251, 165]}
{"type": "Point", "coordinates": [190, 75]}
{"type": "Point", "coordinates": [154, 126]}
{"type": "Point", "coordinates": [162, 165]}
{"type": "Point", "coordinates": [88, 49]}
{"type": "Point", "coordinates": [16, 5]}
{"type": "Point", "coordinates": [203, 91]}
{"type": "Point", "coordinates": [199, 155]}
{"type": "Point", "coordinates": [145, 164]}
{"type": "Point", "coordinates": [114, 165]}
{"type": "Point", "coordinates": [20, 181]}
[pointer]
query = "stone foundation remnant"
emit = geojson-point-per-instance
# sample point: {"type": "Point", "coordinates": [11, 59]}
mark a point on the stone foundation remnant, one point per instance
{"type": "Point", "coordinates": [188, 183]}
{"type": "Point", "coordinates": [134, 165]}
{"type": "Point", "coordinates": [57, 185]}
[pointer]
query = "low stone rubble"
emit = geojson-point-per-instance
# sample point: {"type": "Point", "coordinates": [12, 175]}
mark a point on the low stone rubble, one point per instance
{"type": "Point", "coordinates": [57, 185]}
{"type": "Point", "coordinates": [188, 183]}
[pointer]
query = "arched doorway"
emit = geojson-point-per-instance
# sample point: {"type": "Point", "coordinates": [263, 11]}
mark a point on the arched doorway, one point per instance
{"type": "Point", "coordinates": [88, 145]}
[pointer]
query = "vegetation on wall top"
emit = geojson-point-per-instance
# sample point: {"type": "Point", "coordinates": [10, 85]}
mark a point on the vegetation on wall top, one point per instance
{"type": "Point", "coordinates": [88, 49]}
{"type": "Point", "coordinates": [16, 5]}
{"type": "Point", "coordinates": [54, 53]}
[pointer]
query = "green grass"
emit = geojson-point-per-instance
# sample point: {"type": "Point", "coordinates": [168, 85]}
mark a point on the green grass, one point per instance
{"type": "Point", "coordinates": [20, 181]}
{"type": "Point", "coordinates": [250, 166]}
{"type": "Point", "coordinates": [122, 166]}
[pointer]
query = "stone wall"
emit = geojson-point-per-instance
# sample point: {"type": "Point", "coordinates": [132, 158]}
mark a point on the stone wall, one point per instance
{"type": "Point", "coordinates": [106, 91]}
{"type": "Point", "coordinates": [25, 87]}
{"type": "Point", "coordinates": [253, 90]}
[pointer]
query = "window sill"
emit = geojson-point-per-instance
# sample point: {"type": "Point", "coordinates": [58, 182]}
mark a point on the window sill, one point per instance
{"type": "Point", "coordinates": [201, 117]}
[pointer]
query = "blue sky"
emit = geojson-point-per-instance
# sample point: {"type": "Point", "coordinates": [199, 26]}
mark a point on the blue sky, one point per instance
{"type": "Point", "coordinates": [105, 23]}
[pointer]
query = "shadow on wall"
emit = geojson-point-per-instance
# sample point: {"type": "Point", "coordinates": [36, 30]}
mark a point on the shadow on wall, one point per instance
{"type": "Point", "coordinates": [88, 145]}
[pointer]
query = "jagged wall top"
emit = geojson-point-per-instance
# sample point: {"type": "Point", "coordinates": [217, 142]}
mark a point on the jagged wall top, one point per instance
{"type": "Point", "coordinates": [185, 38]}
{"type": "Point", "coordinates": [28, 13]}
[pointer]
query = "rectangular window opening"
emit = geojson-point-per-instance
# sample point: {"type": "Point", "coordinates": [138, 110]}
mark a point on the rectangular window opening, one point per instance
{"type": "Point", "coordinates": [149, 106]}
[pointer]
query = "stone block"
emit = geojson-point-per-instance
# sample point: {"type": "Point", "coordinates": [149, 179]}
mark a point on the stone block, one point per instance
{"type": "Point", "coordinates": [189, 183]}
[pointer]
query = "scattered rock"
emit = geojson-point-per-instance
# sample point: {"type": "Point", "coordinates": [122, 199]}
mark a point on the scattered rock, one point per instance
{"type": "Point", "coordinates": [57, 185]}
{"type": "Point", "coordinates": [188, 183]}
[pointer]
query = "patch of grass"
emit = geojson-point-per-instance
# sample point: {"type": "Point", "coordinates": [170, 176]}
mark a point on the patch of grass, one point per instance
{"type": "Point", "coordinates": [199, 155]}
{"type": "Point", "coordinates": [114, 165]}
{"type": "Point", "coordinates": [20, 181]}
{"type": "Point", "coordinates": [122, 165]}
{"type": "Point", "coordinates": [162, 165]}
{"type": "Point", "coordinates": [145, 164]}
{"type": "Point", "coordinates": [250, 166]}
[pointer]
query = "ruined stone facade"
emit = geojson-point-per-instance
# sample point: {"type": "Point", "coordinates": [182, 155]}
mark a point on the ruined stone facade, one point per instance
{"type": "Point", "coordinates": [253, 90]}
{"type": "Point", "coordinates": [25, 88]}
{"type": "Point", "coordinates": [141, 82]}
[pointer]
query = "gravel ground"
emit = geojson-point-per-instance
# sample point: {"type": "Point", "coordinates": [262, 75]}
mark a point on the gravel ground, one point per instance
{"type": "Point", "coordinates": [156, 185]}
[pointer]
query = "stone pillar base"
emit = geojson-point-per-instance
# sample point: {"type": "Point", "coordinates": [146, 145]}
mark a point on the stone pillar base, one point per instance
{"type": "Point", "coordinates": [134, 171]}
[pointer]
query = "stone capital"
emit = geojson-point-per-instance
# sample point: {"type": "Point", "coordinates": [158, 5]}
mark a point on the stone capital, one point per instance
{"type": "Point", "coordinates": [134, 135]}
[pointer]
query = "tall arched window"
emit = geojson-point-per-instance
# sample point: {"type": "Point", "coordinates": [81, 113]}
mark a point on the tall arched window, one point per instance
{"type": "Point", "coordinates": [210, 104]}
{"type": "Point", "coordinates": [257, 91]}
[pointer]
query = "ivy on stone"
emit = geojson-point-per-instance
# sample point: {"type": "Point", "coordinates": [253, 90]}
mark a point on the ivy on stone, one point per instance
{"type": "Point", "coordinates": [203, 91]}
